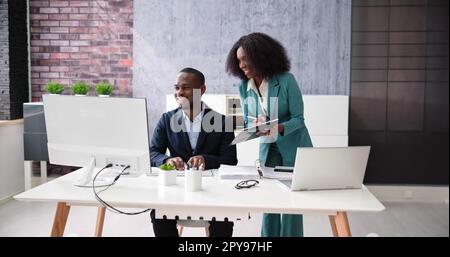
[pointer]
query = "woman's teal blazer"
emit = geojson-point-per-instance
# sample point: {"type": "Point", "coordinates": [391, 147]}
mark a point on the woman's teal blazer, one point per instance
{"type": "Point", "coordinates": [286, 104]}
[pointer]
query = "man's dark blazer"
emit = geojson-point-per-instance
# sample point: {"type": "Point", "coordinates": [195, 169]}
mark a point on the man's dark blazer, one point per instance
{"type": "Point", "coordinates": [213, 146]}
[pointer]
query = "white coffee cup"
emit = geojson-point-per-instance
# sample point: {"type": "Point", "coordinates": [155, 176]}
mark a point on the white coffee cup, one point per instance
{"type": "Point", "coordinates": [193, 180]}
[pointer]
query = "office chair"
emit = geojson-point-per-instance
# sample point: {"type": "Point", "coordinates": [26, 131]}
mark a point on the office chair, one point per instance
{"type": "Point", "coordinates": [181, 224]}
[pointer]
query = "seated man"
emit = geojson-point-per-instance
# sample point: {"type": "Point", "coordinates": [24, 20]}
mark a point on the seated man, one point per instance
{"type": "Point", "coordinates": [195, 135]}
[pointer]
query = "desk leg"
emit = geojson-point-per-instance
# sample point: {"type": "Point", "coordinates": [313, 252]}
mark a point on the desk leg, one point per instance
{"type": "Point", "coordinates": [59, 222]}
{"type": "Point", "coordinates": [333, 226]}
{"type": "Point", "coordinates": [339, 225]}
{"type": "Point", "coordinates": [100, 221]}
{"type": "Point", "coordinates": [28, 169]}
{"type": "Point", "coordinates": [43, 172]}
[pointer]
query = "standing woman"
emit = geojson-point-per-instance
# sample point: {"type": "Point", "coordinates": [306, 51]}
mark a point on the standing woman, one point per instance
{"type": "Point", "coordinates": [269, 91]}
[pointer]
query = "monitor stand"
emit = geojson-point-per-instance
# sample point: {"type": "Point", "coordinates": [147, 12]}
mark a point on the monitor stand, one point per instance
{"type": "Point", "coordinates": [87, 177]}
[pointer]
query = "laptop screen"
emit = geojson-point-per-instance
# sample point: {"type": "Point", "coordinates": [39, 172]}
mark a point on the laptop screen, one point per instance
{"type": "Point", "coordinates": [329, 168]}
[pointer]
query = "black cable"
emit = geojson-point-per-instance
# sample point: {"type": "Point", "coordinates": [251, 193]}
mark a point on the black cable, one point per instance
{"type": "Point", "coordinates": [104, 203]}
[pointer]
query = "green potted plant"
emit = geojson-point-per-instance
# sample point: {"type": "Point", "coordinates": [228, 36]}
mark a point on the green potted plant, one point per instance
{"type": "Point", "coordinates": [167, 175]}
{"type": "Point", "coordinates": [80, 88]}
{"type": "Point", "coordinates": [103, 89]}
{"type": "Point", "coordinates": [54, 88]}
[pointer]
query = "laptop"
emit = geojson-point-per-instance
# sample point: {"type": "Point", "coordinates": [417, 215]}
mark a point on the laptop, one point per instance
{"type": "Point", "coordinates": [329, 168]}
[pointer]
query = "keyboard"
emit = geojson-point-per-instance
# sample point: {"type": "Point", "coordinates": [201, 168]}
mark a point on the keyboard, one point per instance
{"type": "Point", "coordinates": [180, 173]}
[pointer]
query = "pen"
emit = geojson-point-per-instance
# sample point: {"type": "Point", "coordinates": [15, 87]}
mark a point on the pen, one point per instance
{"type": "Point", "coordinates": [258, 168]}
{"type": "Point", "coordinates": [259, 172]}
{"type": "Point", "coordinates": [254, 118]}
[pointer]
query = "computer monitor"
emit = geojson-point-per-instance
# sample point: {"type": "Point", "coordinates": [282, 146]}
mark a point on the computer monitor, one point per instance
{"type": "Point", "coordinates": [92, 132]}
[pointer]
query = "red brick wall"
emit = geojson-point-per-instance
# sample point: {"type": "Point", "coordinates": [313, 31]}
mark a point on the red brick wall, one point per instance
{"type": "Point", "coordinates": [89, 40]}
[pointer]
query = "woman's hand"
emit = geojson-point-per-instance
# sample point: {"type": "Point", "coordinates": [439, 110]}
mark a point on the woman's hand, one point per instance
{"type": "Point", "coordinates": [260, 120]}
{"type": "Point", "coordinates": [273, 132]}
{"type": "Point", "coordinates": [280, 129]}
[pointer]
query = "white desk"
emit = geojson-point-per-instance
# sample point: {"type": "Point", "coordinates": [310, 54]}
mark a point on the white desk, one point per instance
{"type": "Point", "coordinates": [218, 199]}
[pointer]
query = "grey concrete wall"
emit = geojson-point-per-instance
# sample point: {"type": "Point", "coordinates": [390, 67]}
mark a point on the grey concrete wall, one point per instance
{"type": "Point", "coordinates": [172, 34]}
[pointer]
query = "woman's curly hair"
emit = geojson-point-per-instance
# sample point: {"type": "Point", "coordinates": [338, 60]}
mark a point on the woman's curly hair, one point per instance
{"type": "Point", "coordinates": [265, 55]}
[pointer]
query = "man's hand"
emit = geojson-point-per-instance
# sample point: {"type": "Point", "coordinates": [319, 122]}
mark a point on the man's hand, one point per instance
{"type": "Point", "coordinates": [177, 162]}
{"type": "Point", "coordinates": [197, 162]}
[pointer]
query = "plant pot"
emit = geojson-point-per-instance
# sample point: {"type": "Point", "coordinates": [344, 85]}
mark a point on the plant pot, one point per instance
{"type": "Point", "coordinates": [103, 95]}
{"type": "Point", "coordinates": [167, 177]}
{"type": "Point", "coordinates": [79, 95]}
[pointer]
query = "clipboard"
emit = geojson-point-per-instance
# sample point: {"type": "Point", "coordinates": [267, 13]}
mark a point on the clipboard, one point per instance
{"type": "Point", "coordinates": [252, 132]}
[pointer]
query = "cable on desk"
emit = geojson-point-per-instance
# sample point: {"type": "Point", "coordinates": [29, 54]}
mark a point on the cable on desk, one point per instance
{"type": "Point", "coordinates": [104, 203]}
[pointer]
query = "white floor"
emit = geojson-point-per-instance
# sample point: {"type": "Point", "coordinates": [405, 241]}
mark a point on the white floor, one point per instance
{"type": "Point", "coordinates": [399, 219]}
